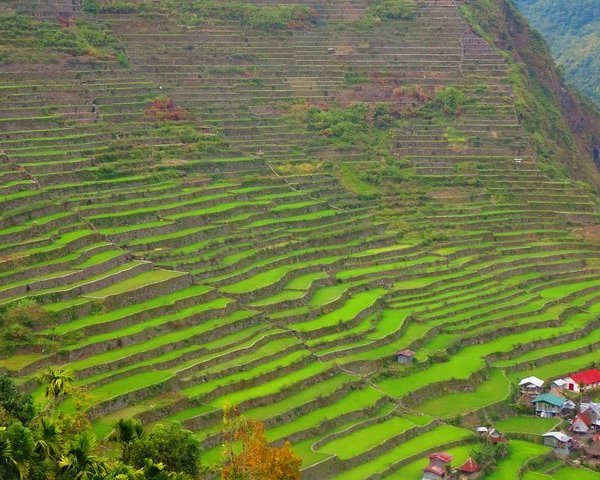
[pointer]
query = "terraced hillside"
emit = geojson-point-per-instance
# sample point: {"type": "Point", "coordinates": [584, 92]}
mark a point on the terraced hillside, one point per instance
{"type": "Point", "coordinates": [327, 195]}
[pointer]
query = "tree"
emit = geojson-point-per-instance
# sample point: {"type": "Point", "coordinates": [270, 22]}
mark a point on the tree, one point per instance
{"type": "Point", "coordinates": [9, 469]}
{"type": "Point", "coordinates": [58, 382]}
{"type": "Point", "coordinates": [124, 472]}
{"type": "Point", "coordinates": [125, 432]}
{"type": "Point", "coordinates": [170, 444]}
{"type": "Point", "coordinates": [24, 312]}
{"type": "Point", "coordinates": [47, 443]}
{"type": "Point", "coordinates": [255, 459]}
{"type": "Point", "coordinates": [488, 455]}
{"type": "Point", "coordinates": [16, 404]}
{"type": "Point", "coordinates": [17, 446]}
{"type": "Point", "coordinates": [157, 471]}
{"type": "Point", "coordinates": [451, 100]}
{"type": "Point", "coordinates": [80, 461]}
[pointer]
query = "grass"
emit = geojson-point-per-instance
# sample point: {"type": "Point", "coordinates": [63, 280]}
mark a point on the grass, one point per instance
{"type": "Point", "coordinates": [275, 385]}
{"type": "Point", "coordinates": [346, 313]}
{"type": "Point", "coordinates": [523, 424]}
{"type": "Point", "coordinates": [366, 438]}
{"type": "Point", "coordinates": [559, 367]}
{"type": "Point", "coordinates": [415, 469]}
{"type": "Point", "coordinates": [269, 277]}
{"type": "Point", "coordinates": [493, 390]}
{"type": "Point", "coordinates": [120, 313]}
{"type": "Point", "coordinates": [140, 281]}
{"type": "Point", "coordinates": [183, 335]}
{"type": "Point", "coordinates": [212, 306]}
{"type": "Point", "coordinates": [17, 362]}
{"type": "Point", "coordinates": [459, 367]}
{"type": "Point", "coordinates": [573, 473]}
{"type": "Point", "coordinates": [519, 452]}
{"type": "Point", "coordinates": [354, 401]}
{"type": "Point", "coordinates": [437, 437]}
{"type": "Point", "coordinates": [535, 354]}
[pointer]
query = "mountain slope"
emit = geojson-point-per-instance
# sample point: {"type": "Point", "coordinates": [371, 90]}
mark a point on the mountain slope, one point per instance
{"type": "Point", "coordinates": [572, 29]}
{"type": "Point", "coordinates": [261, 203]}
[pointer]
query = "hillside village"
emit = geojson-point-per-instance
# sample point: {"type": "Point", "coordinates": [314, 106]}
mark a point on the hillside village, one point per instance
{"type": "Point", "coordinates": [358, 237]}
{"type": "Point", "coordinates": [578, 416]}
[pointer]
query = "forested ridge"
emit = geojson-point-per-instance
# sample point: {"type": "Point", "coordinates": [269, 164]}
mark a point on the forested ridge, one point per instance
{"type": "Point", "coordinates": [572, 29]}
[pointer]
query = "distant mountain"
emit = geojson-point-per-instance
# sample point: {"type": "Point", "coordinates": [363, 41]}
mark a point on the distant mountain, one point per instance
{"type": "Point", "coordinates": [572, 29]}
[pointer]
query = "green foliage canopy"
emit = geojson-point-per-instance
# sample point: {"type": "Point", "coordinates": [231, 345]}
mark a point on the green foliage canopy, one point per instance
{"type": "Point", "coordinates": [572, 29]}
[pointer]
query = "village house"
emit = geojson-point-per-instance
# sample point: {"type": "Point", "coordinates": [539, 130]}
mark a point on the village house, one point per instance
{"type": "Point", "coordinates": [568, 406]}
{"type": "Point", "coordinates": [582, 423]}
{"type": "Point", "coordinates": [405, 356]}
{"type": "Point", "coordinates": [561, 443]}
{"type": "Point", "coordinates": [589, 379]}
{"type": "Point", "coordinates": [558, 386]}
{"type": "Point", "coordinates": [593, 410]}
{"type": "Point", "coordinates": [593, 450]}
{"type": "Point", "coordinates": [548, 405]}
{"type": "Point", "coordinates": [469, 468]}
{"type": "Point", "coordinates": [438, 467]}
{"type": "Point", "coordinates": [494, 436]}
{"type": "Point", "coordinates": [531, 386]}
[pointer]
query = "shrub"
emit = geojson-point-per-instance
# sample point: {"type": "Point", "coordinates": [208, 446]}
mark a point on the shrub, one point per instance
{"type": "Point", "coordinates": [122, 59]}
{"type": "Point", "coordinates": [178, 449]}
{"type": "Point", "coordinates": [451, 101]}
{"type": "Point", "coordinates": [394, 170]}
{"type": "Point", "coordinates": [393, 9]}
{"type": "Point", "coordinates": [348, 125]}
{"type": "Point", "coordinates": [355, 78]}
{"type": "Point", "coordinates": [17, 404]}
{"type": "Point", "coordinates": [265, 17]}
{"type": "Point", "coordinates": [25, 312]}
{"type": "Point", "coordinates": [108, 173]}
{"type": "Point", "coordinates": [18, 333]}
{"type": "Point", "coordinates": [90, 6]}
{"type": "Point", "coordinates": [164, 108]}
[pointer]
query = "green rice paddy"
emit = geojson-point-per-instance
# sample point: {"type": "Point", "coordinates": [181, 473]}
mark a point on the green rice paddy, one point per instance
{"type": "Point", "coordinates": [246, 254]}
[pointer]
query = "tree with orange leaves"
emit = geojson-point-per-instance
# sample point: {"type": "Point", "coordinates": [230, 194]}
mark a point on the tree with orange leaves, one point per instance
{"type": "Point", "coordinates": [247, 454]}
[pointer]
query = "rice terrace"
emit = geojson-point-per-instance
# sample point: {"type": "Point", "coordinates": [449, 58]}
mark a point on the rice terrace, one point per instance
{"type": "Point", "coordinates": [371, 226]}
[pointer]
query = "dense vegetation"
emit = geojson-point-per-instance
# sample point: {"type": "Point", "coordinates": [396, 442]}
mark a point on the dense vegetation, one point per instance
{"type": "Point", "coordinates": [572, 28]}
{"type": "Point", "coordinates": [28, 40]}
{"type": "Point", "coordinates": [393, 9]}
{"type": "Point", "coordinates": [37, 443]}
{"type": "Point", "coordinates": [267, 17]}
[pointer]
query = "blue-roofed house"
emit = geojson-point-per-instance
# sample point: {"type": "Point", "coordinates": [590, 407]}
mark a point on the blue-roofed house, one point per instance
{"type": "Point", "coordinates": [548, 405]}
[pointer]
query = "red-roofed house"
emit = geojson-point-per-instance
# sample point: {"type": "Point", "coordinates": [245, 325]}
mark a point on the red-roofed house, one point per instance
{"type": "Point", "coordinates": [405, 356]}
{"type": "Point", "coordinates": [433, 472]}
{"type": "Point", "coordinates": [436, 470]}
{"type": "Point", "coordinates": [582, 423]}
{"type": "Point", "coordinates": [495, 436]}
{"type": "Point", "coordinates": [590, 379]}
{"type": "Point", "coordinates": [470, 467]}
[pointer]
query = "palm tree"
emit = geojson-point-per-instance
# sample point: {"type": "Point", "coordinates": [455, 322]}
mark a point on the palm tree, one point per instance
{"type": "Point", "coordinates": [80, 463]}
{"type": "Point", "coordinates": [154, 471]}
{"type": "Point", "coordinates": [47, 443]}
{"type": "Point", "coordinates": [125, 432]}
{"type": "Point", "coordinates": [58, 382]}
{"type": "Point", "coordinates": [9, 468]}
{"type": "Point", "coordinates": [122, 472]}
